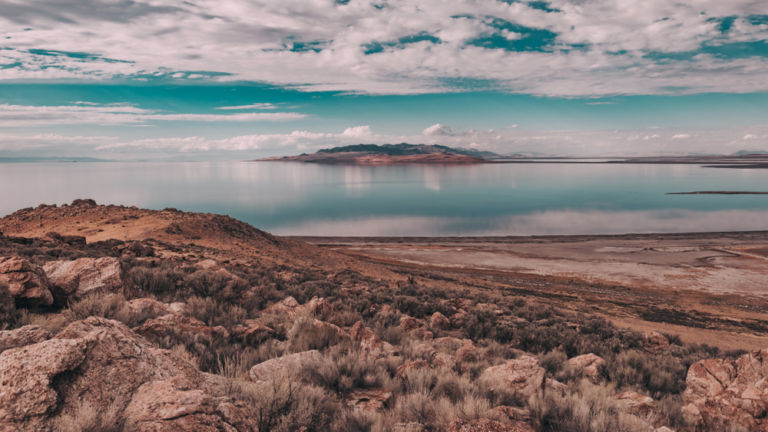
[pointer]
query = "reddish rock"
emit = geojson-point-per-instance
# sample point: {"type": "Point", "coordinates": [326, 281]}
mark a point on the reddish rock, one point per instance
{"type": "Point", "coordinates": [26, 282]}
{"type": "Point", "coordinates": [146, 308]}
{"type": "Point", "coordinates": [291, 308]}
{"type": "Point", "coordinates": [655, 342]}
{"type": "Point", "coordinates": [104, 362]}
{"type": "Point", "coordinates": [590, 364]}
{"type": "Point", "coordinates": [252, 332]}
{"type": "Point", "coordinates": [27, 335]}
{"type": "Point", "coordinates": [636, 403]}
{"type": "Point", "coordinates": [408, 323]}
{"type": "Point", "coordinates": [26, 375]}
{"type": "Point", "coordinates": [523, 375]}
{"type": "Point", "coordinates": [371, 400]}
{"type": "Point", "coordinates": [281, 367]}
{"type": "Point", "coordinates": [83, 276]}
{"type": "Point", "coordinates": [486, 425]}
{"type": "Point", "coordinates": [725, 392]}
{"type": "Point", "coordinates": [178, 404]}
{"type": "Point", "coordinates": [439, 321]}
{"type": "Point", "coordinates": [182, 327]}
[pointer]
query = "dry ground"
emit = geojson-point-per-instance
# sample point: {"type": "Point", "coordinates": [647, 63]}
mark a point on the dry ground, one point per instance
{"type": "Point", "coordinates": [707, 287]}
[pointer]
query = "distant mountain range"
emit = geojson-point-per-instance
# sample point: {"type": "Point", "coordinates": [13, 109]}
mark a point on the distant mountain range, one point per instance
{"type": "Point", "coordinates": [392, 154]}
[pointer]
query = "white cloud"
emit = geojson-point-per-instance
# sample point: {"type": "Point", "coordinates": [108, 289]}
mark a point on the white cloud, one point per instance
{"type": "Point", "coordinates": [357, 132]}
{"type": "Point", "coordinates": [681, 136]}
{"type": "Point", "coordinates": [438, 129]}
{"type": "Point", "coordinates": [587, 143]}
{"type": "Point", "coordinates": [322, 46]}
{"type": "Point", "coordinates": [113, 114]}
{"type": "Point", "coordinates": [258, 106]}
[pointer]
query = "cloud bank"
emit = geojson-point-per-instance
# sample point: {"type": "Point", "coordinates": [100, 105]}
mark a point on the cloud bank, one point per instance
{"type": "Point", "coordinates": [555, 48]}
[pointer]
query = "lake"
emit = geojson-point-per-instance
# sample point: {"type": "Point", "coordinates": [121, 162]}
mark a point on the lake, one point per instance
{"type": "Point", "coordinates": [494, 199]}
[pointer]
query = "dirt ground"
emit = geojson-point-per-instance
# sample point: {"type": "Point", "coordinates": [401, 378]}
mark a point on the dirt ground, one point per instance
{"type": "Point", "coordinates": [707, 287]}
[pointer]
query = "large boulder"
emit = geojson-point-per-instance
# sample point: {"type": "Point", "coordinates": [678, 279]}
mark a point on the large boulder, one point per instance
{"type": "Point", "coordinates": [522, 376]}
{"type": "Point", "coordinates": [82, 276]}
{"type": "Point", "coordinates": [27, 335]}
{"type": "Point", "coordinates": [280, 367]}
{"type": "Point", "coordinates": [590, 365]}
{"type": "Point", "coordinates": [177, 404]}
{"type": "Point", "coordinates": [722, 392]}
{"type": "Point", "coordinates": [26, 381]}
{"type": "Point", "coordinates": [26, 282]}
{"type": "Point", "coordinates": [182, 328]}
{"type": "Point", "coordinates": [144, 308]}
{"type": "Point", "coordinates": [636, 403]}
{"type": "Point", "coordinates": [290, 308]}
{"type": "Point", "coordinates": [102, 364]}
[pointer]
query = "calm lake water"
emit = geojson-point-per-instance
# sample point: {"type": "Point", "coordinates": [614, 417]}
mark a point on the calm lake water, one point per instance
{"type": "Point", "coordinates": [498, 199]}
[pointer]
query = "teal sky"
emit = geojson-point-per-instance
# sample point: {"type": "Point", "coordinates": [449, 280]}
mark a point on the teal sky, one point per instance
{"type": "Point", "coordinates": [234, 79]}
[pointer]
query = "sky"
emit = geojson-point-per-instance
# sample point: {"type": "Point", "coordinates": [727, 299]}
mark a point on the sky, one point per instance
{"type": "Point", "coordinates": [234, 79]}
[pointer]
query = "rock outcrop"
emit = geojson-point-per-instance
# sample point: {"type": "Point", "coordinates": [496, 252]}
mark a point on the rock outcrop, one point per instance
{"type": "Point", "coordinates": [722, 392]}
{"type": "Point", "coordinates": [26, 282]}
{"type": "Point", "coordinates": [523, 376]}
{"type": "Point", "coordinates": [82, 276]}
{"type": "Point", "coordinates": [177, 404]}
{"type": "Point", "coordinates": [636, 403]}
{"type": "Point", "coordinates": [589, 364]}
{"type": "Point", "coordinates": [23, 336]}
{"type": "Point", "coordinates": [182, 328]}
{"type": "Point", "coordinates": [101, 363]}
{"type": "Point", "coordinates": [277, 368]}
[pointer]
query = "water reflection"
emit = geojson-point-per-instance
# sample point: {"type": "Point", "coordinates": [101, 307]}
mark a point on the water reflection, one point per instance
{"type": "Point", "coordinates": [294, 198]}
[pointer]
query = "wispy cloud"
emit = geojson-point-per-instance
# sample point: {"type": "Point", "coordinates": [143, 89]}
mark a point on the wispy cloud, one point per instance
{"type": "Point", "coordinates": [116, 114]}
{"type": "Point", "coordinates": [258, 106]}
{"type": "Point", "coordinates": [505, 141]}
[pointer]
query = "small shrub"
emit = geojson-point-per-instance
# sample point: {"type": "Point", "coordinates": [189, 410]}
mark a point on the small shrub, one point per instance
{"type": "Point", "coordinates": [307, 334]}
{"type": "Point", "coordinates": [657, 376]}
{"type": "Point", "coordinates": [9, 316]}
{"type": "Point", "coordinates": [553, 361]}
{"type": "Point", "coordinates": [162, 281]}
{"type": "Point", "coordinates": [106, 305]}
{"type": "Point", "coordinates": [589, 408]}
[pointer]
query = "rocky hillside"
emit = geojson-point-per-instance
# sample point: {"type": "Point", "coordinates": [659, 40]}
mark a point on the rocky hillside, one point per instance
{"type": "Point", "coordinates": [147, 332]}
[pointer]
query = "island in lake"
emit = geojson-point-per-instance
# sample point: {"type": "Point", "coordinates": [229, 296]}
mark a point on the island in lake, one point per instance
{"type": "Point", "coordinates": [391, 154]}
